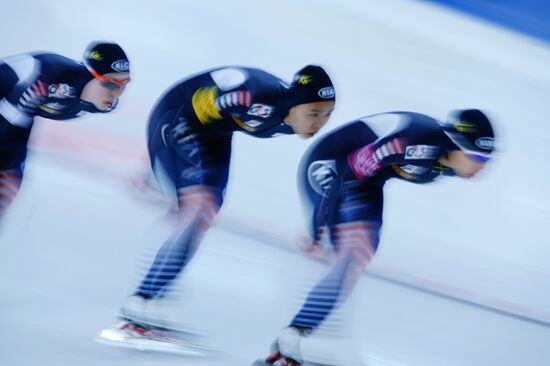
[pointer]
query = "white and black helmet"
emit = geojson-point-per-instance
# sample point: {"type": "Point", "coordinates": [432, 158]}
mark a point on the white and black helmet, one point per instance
{"type": "Point", "coordinates": [471, 131]}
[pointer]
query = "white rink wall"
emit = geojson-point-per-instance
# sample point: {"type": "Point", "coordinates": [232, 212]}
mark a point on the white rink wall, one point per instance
{"type": "Point", "coordinates": [482, 240]}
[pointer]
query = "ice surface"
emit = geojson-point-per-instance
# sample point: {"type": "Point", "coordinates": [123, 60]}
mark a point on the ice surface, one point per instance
{"type": "Point", "coordinates": [75, 237]}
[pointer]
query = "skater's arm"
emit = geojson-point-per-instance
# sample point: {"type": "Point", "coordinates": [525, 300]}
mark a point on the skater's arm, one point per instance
{"type": "Point", "coordinates": [368, 160]}
{"type": "Point", "coordinates": [412, 142]}
{"type": "Point", "coordinates": [26, 92]}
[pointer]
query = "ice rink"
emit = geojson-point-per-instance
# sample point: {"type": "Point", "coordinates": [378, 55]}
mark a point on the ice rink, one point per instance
{"type": "Point", "coordinates": [461, 276]}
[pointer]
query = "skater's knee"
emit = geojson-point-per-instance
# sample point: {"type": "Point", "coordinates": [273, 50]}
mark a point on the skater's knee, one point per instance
{"type": "Point", "coordinates": [9, 187]}
{"type": "Point", "coordinates": [199, 202]}
{"type": "Point", "coordinates": [358, 239]}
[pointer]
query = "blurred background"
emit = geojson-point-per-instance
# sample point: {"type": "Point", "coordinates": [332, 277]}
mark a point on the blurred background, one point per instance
{"type": "Point", "coordinates": [461, 276]}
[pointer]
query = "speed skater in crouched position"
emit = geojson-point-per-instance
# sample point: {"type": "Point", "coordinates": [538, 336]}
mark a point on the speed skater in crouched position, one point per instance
{"type": "Point", "coordinates": [189, 143]}
{"type": "Point", "coordinates": [342, 178]}
{"type": "Point", "coordinates": [55, 87]}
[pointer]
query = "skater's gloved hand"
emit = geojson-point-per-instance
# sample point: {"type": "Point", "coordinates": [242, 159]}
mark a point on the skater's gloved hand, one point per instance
{"type": "Point", "coordinates": [34, 96]}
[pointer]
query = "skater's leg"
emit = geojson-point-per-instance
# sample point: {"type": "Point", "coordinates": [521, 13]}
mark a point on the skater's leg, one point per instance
{"type": "Point", "coordinates": [195, 168]}
{"type": "Point", "coordinates": [355, 221]}
{"type": "Point", "coordinates": [197, 208]}
{"type": "Point", "coordinates": [357, 243]}
{"type": "Point", "coordinates": [355, 236]}
{"type": "Point", "coordinates": [13, 152]}
{"type": "Point", "coordinates": [10, 181]}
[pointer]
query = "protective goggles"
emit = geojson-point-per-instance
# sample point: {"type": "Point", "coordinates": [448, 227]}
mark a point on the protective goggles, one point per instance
{"type": "Point", "coordinates": [467, 147]}
{"type": "Point", "coordinates": [109, 83]}
{"type": "Point", "coordinates": [477, 157]}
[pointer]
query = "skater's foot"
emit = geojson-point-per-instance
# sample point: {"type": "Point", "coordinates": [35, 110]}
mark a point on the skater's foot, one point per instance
{"type": "Point", "coordinates": [277, 359]}
{"type": "Point", "coordinates": [130, 329]}
{"type": "Point", "coordinates": [143, 337]}
{"type": "Point", "coordinates": [286, 350]}
{"type": "Point", "coordinates": [290, 340]}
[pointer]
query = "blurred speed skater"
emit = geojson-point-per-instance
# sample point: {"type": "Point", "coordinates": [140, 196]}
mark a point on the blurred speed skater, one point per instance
{"type": "Point", "coordinates": [342, 178]}
{"type": "Point", "coordinates": [52, 86]}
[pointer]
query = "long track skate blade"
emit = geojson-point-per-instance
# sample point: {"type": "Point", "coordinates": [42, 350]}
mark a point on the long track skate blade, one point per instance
{"type": "Point", "coordinates": [162, 326]}
{"type": "Point", "coordinates": [113, 337]}
{"type": "Point", "coordinates": [263, 363]}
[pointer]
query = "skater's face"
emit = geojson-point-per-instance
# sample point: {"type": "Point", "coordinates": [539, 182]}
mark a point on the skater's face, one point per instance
{"type": "Point", "coordinates": [307, 119]}
{"type": "Point", "coordinates": [464, 165]}
{"type": "Point", "coordinates": [103, 90]}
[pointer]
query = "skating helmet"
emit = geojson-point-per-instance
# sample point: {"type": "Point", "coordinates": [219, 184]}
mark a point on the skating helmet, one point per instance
{"type": "Point", "coordinates": [471, 131]}
{"type": "Point", "coordinates": [311, 84]}
{"type": "Point", "coordinates": [105, 57]}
